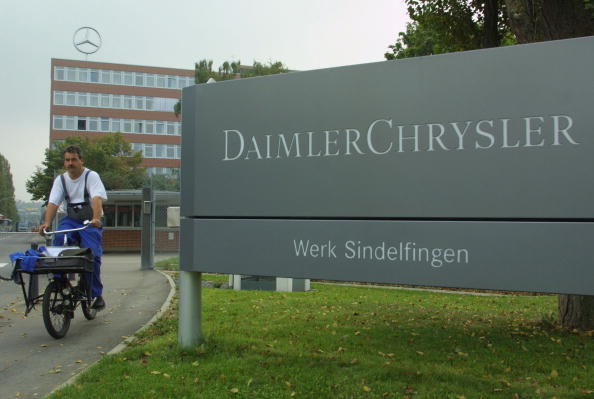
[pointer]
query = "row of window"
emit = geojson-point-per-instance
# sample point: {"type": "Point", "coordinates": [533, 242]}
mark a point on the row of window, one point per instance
{"type": "Point", "coordinates": [117, 101]}
{"type": "Point", "coordinates": [109, 77]}
{"type": "Point", "coordinates": [129, 215]}
{"type": "Point", "coordinates": [95, 124]}
{"type": "Point", "coordinates": [167, 151]}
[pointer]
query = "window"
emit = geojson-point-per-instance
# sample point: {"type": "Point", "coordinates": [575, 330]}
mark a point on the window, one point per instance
{"type": "Point", "coordinates": [128, 102]}
{"type": "Point", "coordinates": [81, 99]}
{"type": "Point", "coordinates": [137, 217]}
{"type": "Point", "coordinates": [171, 104]}
{"type": "Point", "coordinates": [160, 81]}
{"type": "Point", "coordinates": [105, 124]}
{"type": "Point", "coordinates": [59, 73]}
{"type": "Point", "coordinates": [94, 100]}
{"type": "Point", "coordinates": [109, 215]}
{"type": "Point", "coordinates": [171, 82]}
{"type": "Point", "coordinates": [94, 124]}
{"type": "Point", "coordinates": [94, 76]}
{"type": "Point", "coordinates": [116, 101]}
{"type": "Point", "coordinates": [150, 80]}
{"type": "Point", "coordinates": [149, 150]}
{"type": "Point", "coordinates": [127, 126]}
{"type": "Point", "coordinates": [177, 151]}
{"type": "Point", "coordinates": [170, 151]}
{"type": "Point", "coordinates": [137, 147]}
{"type": "Point", "coordinates": [58, 98]}
{"type": "Point", "coordinates": [106, 77]}
{"type": "Point", "coordinates": [116, 77]}
{"type": "Point", "coordinates": [139, 102]}
{"type": "Point", "coordinates": [83, 75]}
{"type": "Point", "coordinates": [58, 123]}
{"type": "Point", "coordinates": [170, 128]}
{"type": "Point", "coordinates": [104, 100]}
{"type": "Point", "coordinates": [161, 215]}
{"type": "Point", "coordinates": [70, 98]}
{"type": "Point", "coordinates": [150, 127]}
{"type": "Point", "coordinates": [128, 79]}
{"type": "Point", "coordinates": [139, 79]}
{"type": "Point", "coordinates": [122, 215]}
{"type": "Point", "coordinates": [71, 74]}
{"type": "Point", "coordinates": [69, 122]}
{"type": "Point", "coordinates": [160, 151]}
{"type": "Point", "coordinates": [97, 124]}
{"type": "Point", "coordinates": [125, 215]}
{"type": "Point", "coordinates": [149, 104]}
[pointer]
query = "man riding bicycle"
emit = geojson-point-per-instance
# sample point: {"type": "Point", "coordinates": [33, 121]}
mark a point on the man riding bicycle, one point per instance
{"type": "Point", "coordinates": [83, 193]}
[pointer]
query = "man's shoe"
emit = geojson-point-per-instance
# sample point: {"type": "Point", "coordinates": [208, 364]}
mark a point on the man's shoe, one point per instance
{"type": "Point", "coordinates": [98, 304]}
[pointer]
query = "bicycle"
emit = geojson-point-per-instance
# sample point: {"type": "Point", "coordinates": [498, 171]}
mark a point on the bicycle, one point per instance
{"type": "Point", "coordinates": [60, 298]}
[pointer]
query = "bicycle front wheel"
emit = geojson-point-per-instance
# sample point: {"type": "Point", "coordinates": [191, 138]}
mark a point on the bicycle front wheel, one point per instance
{"type": "Point", "coordinates": [87, 310]}
{"type": "Point", "coordinates": [56, 309]}
{"type": "Point", "coordinates": [86, 301]}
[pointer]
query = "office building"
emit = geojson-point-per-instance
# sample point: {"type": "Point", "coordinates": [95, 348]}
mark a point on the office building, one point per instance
{"type": "Point", "coordinates": [94, 98]}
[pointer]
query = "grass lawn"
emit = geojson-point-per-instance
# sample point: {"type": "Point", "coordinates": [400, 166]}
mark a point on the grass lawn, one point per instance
{"type": "Point", "coordinates": [168, 264]}
{"type": "Point", "coordinates": [353, 342]}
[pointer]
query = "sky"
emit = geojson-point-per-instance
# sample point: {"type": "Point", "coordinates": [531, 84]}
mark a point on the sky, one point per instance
{"type": "Point", "coordinates": [304, 35]}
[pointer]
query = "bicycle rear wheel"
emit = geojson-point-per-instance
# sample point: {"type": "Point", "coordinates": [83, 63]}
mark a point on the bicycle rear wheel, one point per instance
{"type": "Point", "coordinates": [56, 309]}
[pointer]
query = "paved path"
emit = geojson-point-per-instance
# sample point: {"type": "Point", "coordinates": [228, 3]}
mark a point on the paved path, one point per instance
{"type": "Point", "coordinates": [32, 363]}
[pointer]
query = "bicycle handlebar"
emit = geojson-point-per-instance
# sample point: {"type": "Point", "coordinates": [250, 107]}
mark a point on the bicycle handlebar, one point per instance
{"type": "Point", "coordinates": [86, 223]}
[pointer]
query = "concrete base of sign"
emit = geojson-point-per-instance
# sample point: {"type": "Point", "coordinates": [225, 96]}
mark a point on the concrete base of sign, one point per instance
{"type": "Point", "coordinates": [281, 284]}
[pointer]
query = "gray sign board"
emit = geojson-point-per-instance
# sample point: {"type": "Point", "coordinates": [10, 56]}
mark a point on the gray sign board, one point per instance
{"type": "Point", "coordinates": [483, 156]}
{"type": "Point", "coordinates": [500, 133]}
{"type": "Point", "coordinates": [533, 256]}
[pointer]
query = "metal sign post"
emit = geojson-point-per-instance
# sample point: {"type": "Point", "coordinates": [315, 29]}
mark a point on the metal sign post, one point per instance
{"type": "Point", "coordinates": [147, 242]}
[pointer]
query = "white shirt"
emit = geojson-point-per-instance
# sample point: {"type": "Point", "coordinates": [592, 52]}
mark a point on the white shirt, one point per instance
{"type": "Point", "coordinates": [76, 190]}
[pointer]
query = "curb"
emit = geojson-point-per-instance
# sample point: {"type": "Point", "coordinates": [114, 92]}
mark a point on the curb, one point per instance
{"type": "Point", "coordinates": [121, 346]}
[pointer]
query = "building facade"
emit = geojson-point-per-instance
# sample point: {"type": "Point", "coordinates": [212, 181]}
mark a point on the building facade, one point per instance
{"type": "Point", "coordinates": [94, 98]}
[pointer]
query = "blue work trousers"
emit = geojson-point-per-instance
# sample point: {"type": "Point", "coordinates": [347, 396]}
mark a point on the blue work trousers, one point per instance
{"type": "Point", "coordinates": [90, 238]}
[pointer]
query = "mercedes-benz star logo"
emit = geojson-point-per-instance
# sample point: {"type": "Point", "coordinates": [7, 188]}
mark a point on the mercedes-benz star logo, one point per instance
{"type": "Point", "coordinates": [86, 40]}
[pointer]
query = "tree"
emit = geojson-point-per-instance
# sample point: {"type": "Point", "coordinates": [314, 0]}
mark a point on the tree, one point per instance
{"type": "Point", "coordinates": [539, 20]}
{"type": "Point", "coordinates": [7, 202]}
{"type": "Point", "coordinates": [259, 69]}
{"type": "Point", "coordinates": [444, 26]}
{"type": "Point", "coordinates": [164, 182]}
{"type": "Point", "coordinates": [441, 26]}
{"type": "Point", "coordinates": [230, 70]}
{"type": "Point", "coordinates": [110, 155]}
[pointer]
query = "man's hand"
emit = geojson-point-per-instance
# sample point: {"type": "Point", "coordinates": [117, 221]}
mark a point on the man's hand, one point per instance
{"type": "Point", "coordinates": [41, 228]}
{"type": "Point", "coordinates": [50, 213]}
{"type": "Point", "coordinates": [96, 223]}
